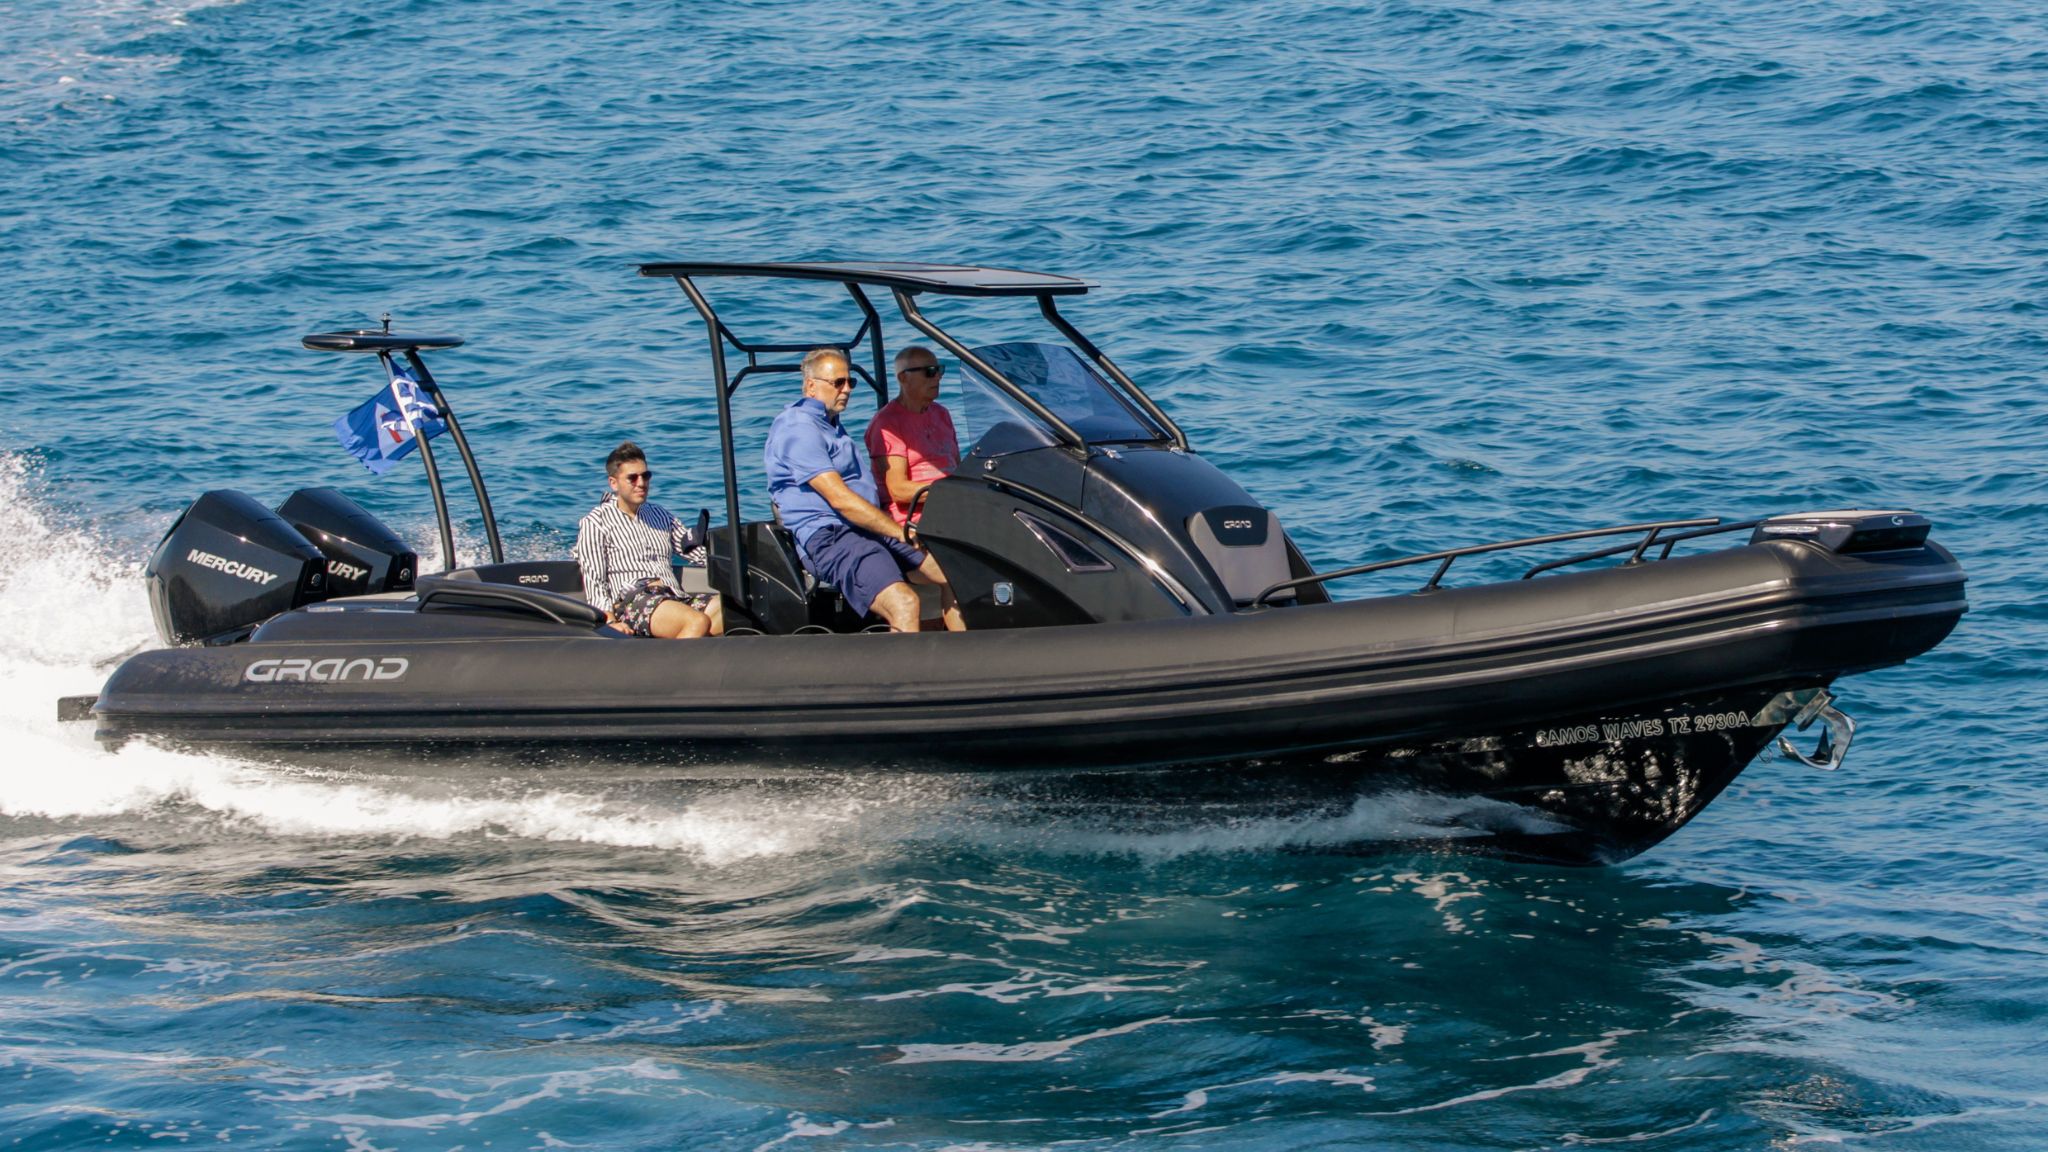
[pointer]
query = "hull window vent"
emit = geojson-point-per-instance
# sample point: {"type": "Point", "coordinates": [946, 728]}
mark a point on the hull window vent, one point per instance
{"type": "Point", "coordinates": [1077, 557]}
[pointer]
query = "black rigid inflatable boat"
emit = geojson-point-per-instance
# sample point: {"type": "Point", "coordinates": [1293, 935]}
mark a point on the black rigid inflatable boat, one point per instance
{"type": "Point", "coordinates": [1129, 605]}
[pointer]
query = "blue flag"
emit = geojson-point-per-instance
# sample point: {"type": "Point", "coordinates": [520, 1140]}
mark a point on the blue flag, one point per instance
{"type": "Point", "coordinates": [379, 431]}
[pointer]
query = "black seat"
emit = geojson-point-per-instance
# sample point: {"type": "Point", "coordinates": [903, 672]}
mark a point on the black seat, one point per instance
{"type": "Point", "coordinates": [782, 594]}
{"type": "Point", "coordinates": [458, 591]}
{"type": "Point", "coordinates": [561, 576]}
{"type": "Point", "coordinates": [778, 588]}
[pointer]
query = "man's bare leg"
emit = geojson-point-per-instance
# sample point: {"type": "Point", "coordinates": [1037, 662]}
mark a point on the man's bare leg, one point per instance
{"type": "Point", "coordinates": [949, 608]}
{"type": "Point", "coordinates": [897, 604]}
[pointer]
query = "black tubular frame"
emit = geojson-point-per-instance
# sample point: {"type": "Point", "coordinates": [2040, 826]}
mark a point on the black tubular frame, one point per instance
{"type": "Point", "coordinates": [433, 473]}
{"type": "Point", "coordinates": [904, 285]}
{"type": "Point", "coordinates": [949, 279]}
{"type": "Point", "coordinates": [384, 343]}
{"type": "Point", "coordinates": [720, 335]}
{"type": "Point", "coordinates": [919, 321]}
{"type": "Point", "coordinates": [476, 477]}
{"type": "Point", "coordinates": [1052, 313]}
{"type": "Point", "coordinates": [869, 325]}
{"type": "Point", "coordinates": [715, 331]}
{"type": "Point", "coordinates": [1651, 537]}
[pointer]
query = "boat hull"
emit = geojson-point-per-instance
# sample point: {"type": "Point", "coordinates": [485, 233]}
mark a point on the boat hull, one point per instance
{"type": "Point", "coordinates": [1606, 701]}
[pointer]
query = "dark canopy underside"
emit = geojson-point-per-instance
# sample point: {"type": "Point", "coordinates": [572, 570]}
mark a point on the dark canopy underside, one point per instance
{"type": "Point", "coordinates": [945, 279]}
{"type": "Point", "coordinates": [376, 340]}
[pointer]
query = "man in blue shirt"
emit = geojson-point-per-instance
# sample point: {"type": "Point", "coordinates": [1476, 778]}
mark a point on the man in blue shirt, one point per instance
{"type": "Point", "coordinates": [818, 480]}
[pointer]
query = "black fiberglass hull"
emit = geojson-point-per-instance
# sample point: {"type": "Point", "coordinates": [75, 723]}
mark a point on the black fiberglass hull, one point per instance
{"type": "Point", "coordinates": [1608, 699]}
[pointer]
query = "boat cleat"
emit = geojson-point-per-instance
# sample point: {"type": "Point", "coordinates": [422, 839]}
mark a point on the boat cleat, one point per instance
{"type": "Point", "coordinates": [1837, 728]}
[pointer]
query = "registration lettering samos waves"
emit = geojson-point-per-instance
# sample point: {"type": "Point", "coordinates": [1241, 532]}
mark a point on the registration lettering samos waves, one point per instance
{"type": "Point", "coordinates": [1648, 726]}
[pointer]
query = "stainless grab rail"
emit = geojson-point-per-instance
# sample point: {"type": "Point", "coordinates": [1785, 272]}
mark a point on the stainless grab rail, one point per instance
{"type": "Point", "coordinates": [1449, 556]}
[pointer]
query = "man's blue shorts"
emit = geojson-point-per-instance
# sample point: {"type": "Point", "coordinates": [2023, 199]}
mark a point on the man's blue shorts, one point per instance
{"type": "Point", "coordinates": [858, 563]}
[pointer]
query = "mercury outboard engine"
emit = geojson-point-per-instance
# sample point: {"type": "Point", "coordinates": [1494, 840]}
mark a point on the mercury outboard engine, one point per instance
{"type": "Point", "coordinates": [363, 555]}
{"type": "Point", "coordinates": [227, 564]}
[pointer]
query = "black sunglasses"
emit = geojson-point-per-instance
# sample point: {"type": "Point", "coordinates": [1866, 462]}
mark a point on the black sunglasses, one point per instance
{"type": "Point", "coordinates": [838, 382]}
{"type": "Point", "coordinates": [928, 371]}
{"type": "Point", "coordinates": [638, 477]}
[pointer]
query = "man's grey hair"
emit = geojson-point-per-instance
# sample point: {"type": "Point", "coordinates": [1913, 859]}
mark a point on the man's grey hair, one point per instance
{"type": "Point", "coordinates": [903, 356]}
{"type": "Point", "coordinates": [817, 356]}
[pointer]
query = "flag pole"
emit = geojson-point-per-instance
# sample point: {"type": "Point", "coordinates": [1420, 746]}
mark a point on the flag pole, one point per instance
{"type": "Point", "coordinates": [476, 478]}
{"type": "Point", "coordinates": [427, 458]}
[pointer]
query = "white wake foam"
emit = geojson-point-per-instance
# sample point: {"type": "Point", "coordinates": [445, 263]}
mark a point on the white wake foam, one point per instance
{"type": "Point", "coordinates": [67, 600]}
{"type": "Point", "coordinates": [1381, 817]}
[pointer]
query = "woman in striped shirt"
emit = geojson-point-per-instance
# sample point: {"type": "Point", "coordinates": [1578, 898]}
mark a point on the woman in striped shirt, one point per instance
{"type": "Point", "coordinates": [624, 546]}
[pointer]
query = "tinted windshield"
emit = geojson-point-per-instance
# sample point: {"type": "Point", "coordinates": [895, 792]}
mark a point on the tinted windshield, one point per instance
{"type": "Point", "coordinates": [1058, 378]}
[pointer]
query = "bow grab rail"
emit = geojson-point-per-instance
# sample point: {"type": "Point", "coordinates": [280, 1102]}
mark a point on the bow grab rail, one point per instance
{"type": "Point", "coordinates": [1667, 541]}
{"type": "Point", "coordinates": [1449, 556]}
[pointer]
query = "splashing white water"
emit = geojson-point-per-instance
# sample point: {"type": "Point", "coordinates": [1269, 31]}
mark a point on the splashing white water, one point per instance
{"type": "Point", "coordinates": [67, 600]}
{"type": "Point", "coordinates": [1381, 817]}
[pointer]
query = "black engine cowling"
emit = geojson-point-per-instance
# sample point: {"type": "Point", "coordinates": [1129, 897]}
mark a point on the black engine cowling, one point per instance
{"type": "Point", "coordinates": [226, 564]}
{"type": "Point", "coordinates": [362, 554]}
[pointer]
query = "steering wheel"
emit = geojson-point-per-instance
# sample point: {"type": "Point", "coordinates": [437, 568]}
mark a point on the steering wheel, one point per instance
{"type": "Point", "coordinates": [916, 510]}
{"type": "Point", "coordinates": [704, 532]}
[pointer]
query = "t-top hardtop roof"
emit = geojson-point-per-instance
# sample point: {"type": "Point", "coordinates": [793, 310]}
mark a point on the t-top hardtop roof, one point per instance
{"type": "Point", "coordinates": [945, 279]}
{"type": "Point", "coordinates": [376, 340]}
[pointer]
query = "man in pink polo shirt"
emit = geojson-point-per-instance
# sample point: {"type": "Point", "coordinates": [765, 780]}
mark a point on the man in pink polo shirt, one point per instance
{"type": "Point", "coordinates": [911, 439]}
{"type": "Point", "coordinates": [912, 443]}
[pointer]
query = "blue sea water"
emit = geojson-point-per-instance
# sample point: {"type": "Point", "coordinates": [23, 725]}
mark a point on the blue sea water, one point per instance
{"type": "Point", "coordinates": [1419, 274]}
